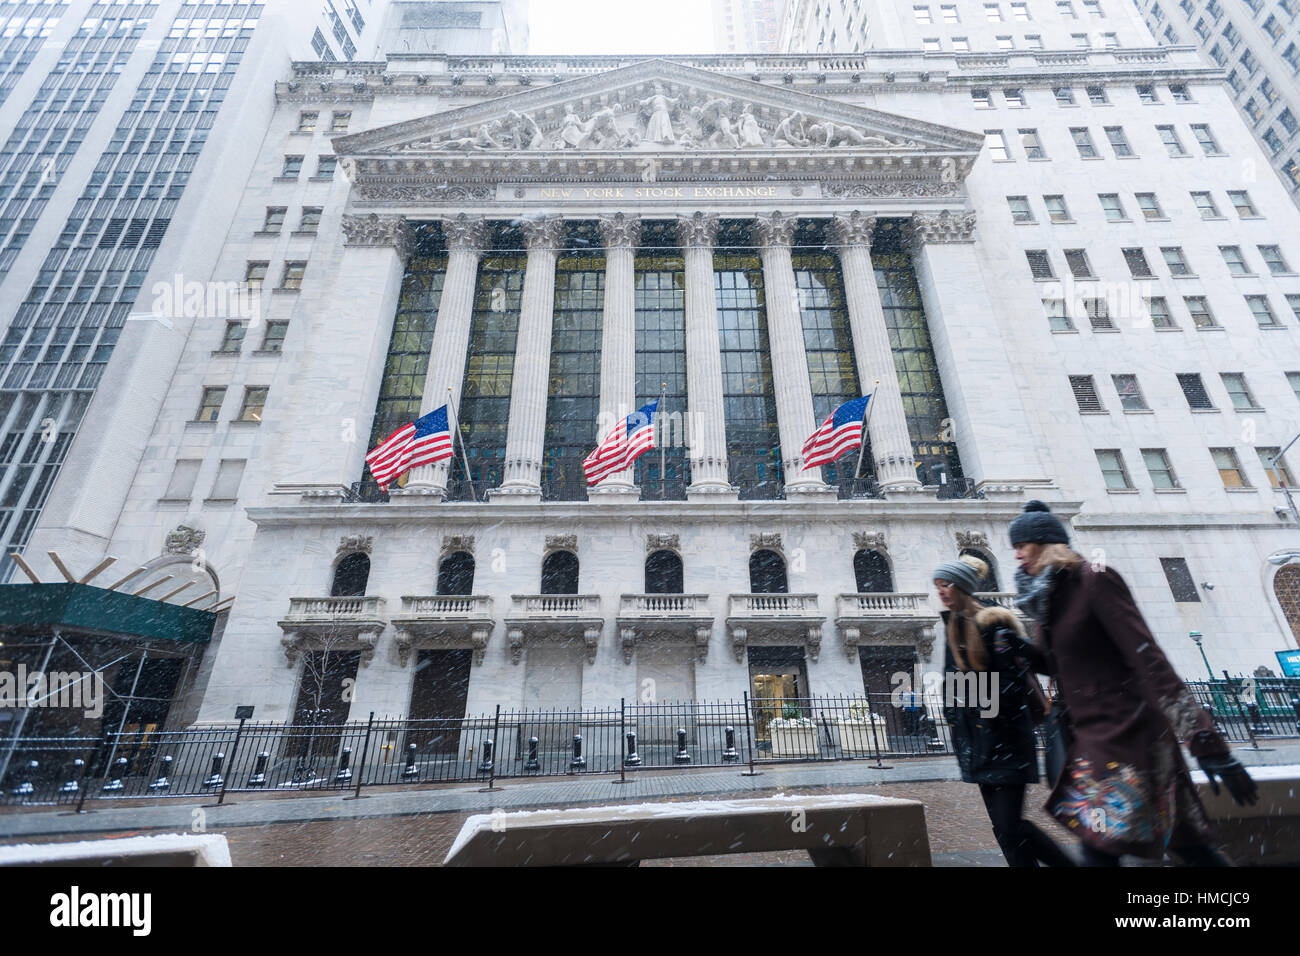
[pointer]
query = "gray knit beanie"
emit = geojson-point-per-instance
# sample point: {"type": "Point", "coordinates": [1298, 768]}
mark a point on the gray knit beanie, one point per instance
{"type": "Point", "coordinates": [960, 574]}
{"type": "Point", "coordinates": [1038, 526]}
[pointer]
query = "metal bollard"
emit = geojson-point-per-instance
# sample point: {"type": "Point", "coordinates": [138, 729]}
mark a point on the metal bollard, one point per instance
{"type": "Point", "coordinates": [681, 756]}
{"type": "Point", "coordinates": [633, 759]}
{"type": "Point", "coordinates": [26, 788]}
{"type": "Point", "coordinates": [533, 764]}
{"type": "Point", "coordinates": [164, 775]}
{"type": "Point", "coordinates": [214, 779]}
{"type": "Point", "coordinates": [258, 779]}
{"type": "Point", "coordinates": [579, 761]}
{"type": "Point", "coordinates": [345, 772]}
{"type": "Point", "coordinates": [116, 782]}
{"type": "Point", "coordinates": [409, 770]}
{"type": "Point", "coordinates": [73, 784]}
{"type": "Point", "coordinates": [729, 754]}
{"type": "Point", "coordinates": [485, 765]}
{"type": "Point", "coordinates": [1257, 726]}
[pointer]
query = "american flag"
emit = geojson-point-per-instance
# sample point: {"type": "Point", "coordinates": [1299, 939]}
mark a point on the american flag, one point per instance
{"type": "Point", "coordinates": [422, 442]}
{"type": "Point", "coordinates": [841, 432]}
{"type": "Point", "coordinates": [627, 440]}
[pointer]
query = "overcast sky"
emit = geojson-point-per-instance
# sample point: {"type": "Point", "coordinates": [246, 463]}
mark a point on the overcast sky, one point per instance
{"type": "Point", "coordinates": [620, 26]}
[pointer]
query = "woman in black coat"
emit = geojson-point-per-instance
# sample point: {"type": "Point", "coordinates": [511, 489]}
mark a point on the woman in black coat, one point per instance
{"type": "Point", "coordinates": [986, 702]}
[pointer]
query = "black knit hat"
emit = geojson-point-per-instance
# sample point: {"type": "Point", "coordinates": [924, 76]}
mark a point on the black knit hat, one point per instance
{"type": "Point", "coordinates": [1038, 526]}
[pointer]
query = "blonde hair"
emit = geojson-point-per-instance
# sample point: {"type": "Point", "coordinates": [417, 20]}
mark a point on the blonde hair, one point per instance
{"type": "Point", "coordinates": [968, 641]}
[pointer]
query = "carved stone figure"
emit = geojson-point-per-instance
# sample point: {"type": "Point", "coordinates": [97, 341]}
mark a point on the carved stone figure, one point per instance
{"type": "Point", "coordinates": [603, 129]}
{"type": "Point", "coordinates": [523, 131]}
{"type": "Point", "coordinates": [790, 131]}
{"type": "Point", "coordinates": [184, 540]}
{"type": "Point", "coordinates": [751, 134]}
{"type": "Point", "coordinates": [572, 130]}
{"type": "Point", "coordinates": [659, 128]}
{"type": "Point", "coordinates": [833, 134]}
{"type": "Point", "coordinates": [715, 124]}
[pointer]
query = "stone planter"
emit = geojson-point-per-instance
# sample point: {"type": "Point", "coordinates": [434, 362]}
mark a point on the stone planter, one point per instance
{"type": "Point", "coordinates": [793, 740]}
{"type": "Point", "coordinates": [859, 735]}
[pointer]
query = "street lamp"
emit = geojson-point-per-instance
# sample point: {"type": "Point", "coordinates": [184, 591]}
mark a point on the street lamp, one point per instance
{"type": "Point", "coordinates": [1197, 639]}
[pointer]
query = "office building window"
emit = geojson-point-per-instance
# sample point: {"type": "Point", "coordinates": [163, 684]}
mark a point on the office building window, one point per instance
{"type": "Point", "coordinates": [1198, 399]}
{"type": "Point", "coordinates": [307, 122]}
{"type": "Point", "coordinates": [1085, 393]}
{"type": "Point", "coordinates": [1175, 260]}
{"type": "Point", "coordinates": [1077, 260]}
{"type": "Point", "coordinates": [292, 167]}
{"type": "Point", "coordinates": [1118, 141]}
{"type": "Point", "coordinates": [1277, 469]}
{"type": "Point", "coordinates": [1058, 320]}
{"type": "Point", "coordinates": [1057, 211]}
{"type": "Point", "coordinates": [1112, 469]}
{"type": "Point", "coordinates": [1169, 137]}
{"type": "Point", "coordinates": [1020, 209]}
{"type": "Point", "coordinates": [1203, 136]}
{"type": "Point", "coordinates": [997, 145]}
{"type": "Point", "coordinates": [184, 474]}
{"type": "Point", "coordinates": [1158, 309]}
{"type": "Point", "coordinates": [1138, 266]}
{"type": "Point", "coordinates": [1083, 141]}
{"type": "Point", "coordinates": [274, 218]}
{"type": "Point", "coordinates": [254, 402]}
{"type": "Point", "coordinates": [226, 486]}
{"type": "Point", "coordinates": [1040, 266]}
{"type": "Point", "coordinates": [1198, 307]}
{"type": "Point", "coordinates": [1230, 473]}
{"type": "Point", "coordinates": [1233, 259]}
{"type": "Point", "coordinates": [1180, 581]}
{"type": "Point", "coordinates": [1204, 203]}
{"type": "Point", "coordinates": [1158, 467]}
{"type": "Point", "coordinates": [293, 273]}
{"type": "Point", "coordinates": [1149, 205]}
{"type": "Point", "coordinates": [1262, 311]}
{"type": "Point", "coordinates": [1273, 259]}
{"type": "Point", "coordinates": [1033, 147]}
{"type": "Point", "coordinates": [1112, 207]}
{"type": "Point", "coordinates": [1235, 383]}
{"type": "Point", "coordinates": [234, 336]}
{"type": "Point", "coordinates": [1130, 394]}
{"type": "Point", "coordinates": [210, 404]}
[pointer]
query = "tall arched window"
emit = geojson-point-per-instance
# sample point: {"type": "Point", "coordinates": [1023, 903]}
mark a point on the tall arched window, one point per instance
{"type": "Point", "coordinates": [1286, 585]}
{"type": "Point", "coordinates": [990, 581]}
{"type": "Point", "coordinates": [456, 573]}
{"type": "Point", "coordinates": [663, 573]}
{"type": "Point", "coordinates": [350, 576]}
{"type": "Point", "coordinates": [871, 570]}
{"type": "Point", "coordinates": [560, 573]}
{"type": "Point", "coordinates": [767, 573]}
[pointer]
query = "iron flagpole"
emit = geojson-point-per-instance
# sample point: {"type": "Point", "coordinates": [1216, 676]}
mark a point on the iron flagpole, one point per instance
{"type": "Point", "coordinates": [464, 456]}
{"type": "Point", "coordinates": [862, 439]}
{"type": "Point", "coordinates": [663, 446]}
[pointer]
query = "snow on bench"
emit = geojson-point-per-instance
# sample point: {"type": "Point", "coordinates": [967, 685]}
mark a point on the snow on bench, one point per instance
{"type": "Point", "coordinates": [850, 829]}
{"type": "Point", "coordinates": [1267, 833]}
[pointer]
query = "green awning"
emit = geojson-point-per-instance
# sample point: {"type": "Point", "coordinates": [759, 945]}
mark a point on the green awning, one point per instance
{"type": "Point", "coordinates": [80, 607]}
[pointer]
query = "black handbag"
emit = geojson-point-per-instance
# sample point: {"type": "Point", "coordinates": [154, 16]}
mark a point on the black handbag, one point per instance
{"type": "Point", "coordinates": [1057, 740]}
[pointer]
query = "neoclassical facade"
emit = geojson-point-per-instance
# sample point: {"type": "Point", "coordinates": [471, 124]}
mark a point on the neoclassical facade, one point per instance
{"type": "Point", "coordinates": [548, 244]}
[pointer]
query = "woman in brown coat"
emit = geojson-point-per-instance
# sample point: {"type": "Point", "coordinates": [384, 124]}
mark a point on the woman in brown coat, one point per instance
{"type": "Point", "coordinates": [1124, 788]}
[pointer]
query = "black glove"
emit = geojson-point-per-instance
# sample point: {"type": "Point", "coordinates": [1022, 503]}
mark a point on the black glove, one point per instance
{"type": "Point", "coordinates": [1235, 778]}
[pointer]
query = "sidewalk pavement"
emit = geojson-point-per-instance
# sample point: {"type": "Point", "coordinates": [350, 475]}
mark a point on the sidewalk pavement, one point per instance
{"type": "Point", "coordinates": [416, 826]}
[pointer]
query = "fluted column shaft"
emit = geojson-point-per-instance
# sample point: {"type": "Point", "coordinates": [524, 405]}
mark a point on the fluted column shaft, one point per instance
{"type": "Point", "coordinates": [891, 443]}
{"type": "Point", "coordinates": [618, 334]}
{"type": "Point", "coordinates": [527, 429]}
{"type": "Point", "coordinates": [708, 431]}
{"type": "Point", "coordinates": [793, 391]}
{"type": "Point", "coordinates": [465, 241]}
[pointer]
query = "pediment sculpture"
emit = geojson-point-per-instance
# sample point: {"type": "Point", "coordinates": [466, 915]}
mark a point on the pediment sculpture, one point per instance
{"type": "Point", "coordinates": [691, 120]}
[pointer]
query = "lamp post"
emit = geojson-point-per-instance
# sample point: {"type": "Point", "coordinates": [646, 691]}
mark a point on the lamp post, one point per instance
{"type": "Point", "coordinates": [1198, 640]}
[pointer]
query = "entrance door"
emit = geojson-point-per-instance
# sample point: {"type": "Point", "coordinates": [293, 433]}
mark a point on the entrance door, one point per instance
{"type": "Point", "coordinates": [438, 697]}
{"type": "Point", "coordinates": [881, 667]}
{"type": "Point", "coordinates": [778, 680]}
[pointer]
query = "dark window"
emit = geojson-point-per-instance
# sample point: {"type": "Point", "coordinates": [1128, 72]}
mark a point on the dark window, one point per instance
{"type": "Point", "coordinates": [560, 573]}
{"type": "Point", "coordinates": [350, 576]}
{"type": "Point", "coordinates": [661, 361]}
{"type": "Point", "coordinates": [663, 573]}
{"type": "Point", "coordinates": [456, 574]}
{"type": "Point", "coordinates": [871, 570]}
{"type": "Point", "coordinates": [1194, 390]}
{"type": "Point", "coordinates": [1085, 393]}
{"type": "Point", "coordinates": [1180, 579]}
{"type": "Point", "coordinates": [767, 573]}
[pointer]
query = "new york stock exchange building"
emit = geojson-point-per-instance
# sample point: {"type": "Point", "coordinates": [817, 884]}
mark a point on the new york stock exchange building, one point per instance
{"type": "Point", "coordinates": [551, 243]}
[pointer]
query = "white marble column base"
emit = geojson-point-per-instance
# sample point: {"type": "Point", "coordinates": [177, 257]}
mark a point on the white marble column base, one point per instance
{"type": "Point", "coordinates": [518, 494]}
{"type": "Point", "coordinates": [712, 493]}
{"type": "Point", "coordinates": [613, 491]}
{"type": "Point", "coordinates": [808, 491]}
{"type": "Point", "coordinates": [417, 494]}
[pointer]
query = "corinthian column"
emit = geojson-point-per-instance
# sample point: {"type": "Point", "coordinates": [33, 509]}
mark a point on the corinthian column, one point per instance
{"type": "Point", "coordinates": [465, 240]}
{"type": "Point", "coordinates": [527, 429]}
{"type": "Point", "coordinates": [618, 337]}
{"type": "Point", "coordinates": [891, 444]}
{"type": "Point", "coordinates": [708, 431]}
{"type": "Point", "coordinates": [794, 408]}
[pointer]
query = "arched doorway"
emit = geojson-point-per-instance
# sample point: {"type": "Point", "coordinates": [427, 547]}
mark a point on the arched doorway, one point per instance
{"type": "Point", "coordinates": [767, 573]}
{"type": "Point", "coordinates": [456, 574]}
{"type": "Point", "coordinates": [351, 575]}
{"type": "Point", "coordinates": [871, 571]}
{"type": "Point", "coordinates": [1286, 585]}
{"type": "Point", "coordinates": [663, 573]}
{"type": "Point", "coordinates": [560, 573]}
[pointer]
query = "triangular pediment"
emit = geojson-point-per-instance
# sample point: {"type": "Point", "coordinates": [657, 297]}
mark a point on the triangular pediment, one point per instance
{"type": "Point", "coordinates": [662, 108]}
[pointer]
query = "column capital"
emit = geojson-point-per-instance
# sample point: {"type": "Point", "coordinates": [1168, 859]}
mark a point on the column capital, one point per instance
{"type": "Point", "coordinates": [775, 229]}
{"type": "Point", "coordinates": [698, 229]}
{"type": "Point", "coordinates": [376, 230]}
{"type": "Point", "coordinates": [855, 228]}
{"type": "Point", "coordinates": [543, 233]}
{"type": "Point", "coordinates": [465, 232]}
{"type": "Point", "coordinates": [620, 230]}
{"type": "Point", "coordinates": [944, 226]}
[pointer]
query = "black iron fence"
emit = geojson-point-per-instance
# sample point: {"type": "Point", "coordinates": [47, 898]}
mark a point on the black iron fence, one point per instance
{"type": "Point", "coordinates": [257, 757]}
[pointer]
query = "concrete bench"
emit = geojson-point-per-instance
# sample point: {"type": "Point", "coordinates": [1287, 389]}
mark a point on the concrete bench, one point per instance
{"type": "Point", "coordinates": [1266, 834]}
{"type": "Point", "coordinates": [168, 849]}
{"type": "Point", "coordinates": [839, 830]}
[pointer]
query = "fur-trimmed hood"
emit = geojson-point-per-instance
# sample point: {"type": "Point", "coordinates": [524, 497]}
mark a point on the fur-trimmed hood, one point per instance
{"type": "Point", "coordinates": [996, 617]}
